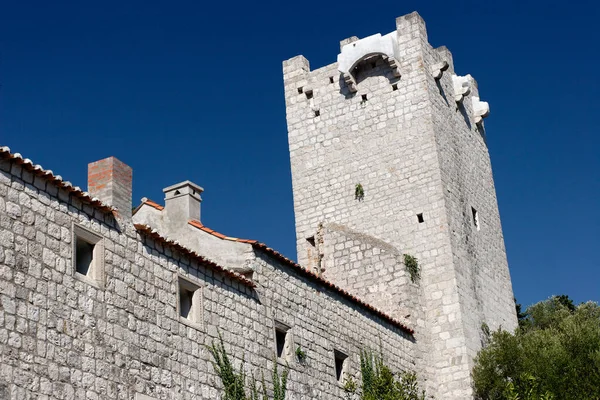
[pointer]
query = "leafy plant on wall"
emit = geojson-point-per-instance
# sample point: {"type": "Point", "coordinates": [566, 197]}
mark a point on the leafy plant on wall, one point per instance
{"type": "Point", "coordinates": [380, 383]}
{"type": "Point", "coordinates": [359, 192]}
{"type": "Point", "coordinates": [412, 266]}
{"type": "Point", "coordinates": [234, 380]}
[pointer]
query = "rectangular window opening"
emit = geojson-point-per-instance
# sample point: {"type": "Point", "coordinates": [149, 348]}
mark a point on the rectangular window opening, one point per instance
{"type": "Point", "coordinates": [395, 86]}
{"type": "Point", "coordinates": [88, 254]}
{"type": "Point", "coordinates": [281, 339]}
{"type": "Point", "coordinates": [331, 79]}
{"type": "Point", "coordinates": [340, 362]}
{"type": "Point", "coordinates": [364, 97]}
{"type": "Point", "coordinates": [300, 90]}
{"type": "Point", "coordinates": [309, 94]}
{"type": "Point", "coordinates": [190, 301]}
{"type": "Point", "coordinates": [475, 217]}
{"type": "Point", "coordinates": [420, 218]}
{"type": "Point", "coordinates": [317, 113]}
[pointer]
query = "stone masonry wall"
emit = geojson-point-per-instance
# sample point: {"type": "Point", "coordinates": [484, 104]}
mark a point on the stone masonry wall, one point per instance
{"type": "Point", "coordinates": [413, 152]}
{"type": "Point", "coordinates": [64, 337]}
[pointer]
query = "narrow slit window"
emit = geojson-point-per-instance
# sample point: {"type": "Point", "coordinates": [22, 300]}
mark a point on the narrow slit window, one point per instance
{"type": "Point", "coordinates": [340, 364]}
{"type": "Point", "coordinates": [331, 79]}
{"type": "Point", "coordinates": [282, 338]}
{"type": "Point", "coordinates": [475, 217]}
{"type": "Point", "coordinates": [420, 218]}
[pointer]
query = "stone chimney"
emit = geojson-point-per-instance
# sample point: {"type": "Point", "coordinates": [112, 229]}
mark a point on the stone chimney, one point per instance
{"type": "Point", "coordinates": [110, 180]}
{"type": "Point", "coordinates": [182, 202]}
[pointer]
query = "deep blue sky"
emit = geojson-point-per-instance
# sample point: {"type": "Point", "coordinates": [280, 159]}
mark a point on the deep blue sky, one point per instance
{"type": "Point", "coordinates": [193, 90]}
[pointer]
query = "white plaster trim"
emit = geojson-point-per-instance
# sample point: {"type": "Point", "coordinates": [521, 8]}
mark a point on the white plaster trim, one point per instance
{"type": "Point", "coordinates": [481, 109]}
{"type": "Point", "coordinates": [462, 86]}
{"type": "Point", "coordinates": [356, 51]}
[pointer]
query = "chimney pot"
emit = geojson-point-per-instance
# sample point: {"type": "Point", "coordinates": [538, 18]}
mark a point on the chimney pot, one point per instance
{"type": "Point", "coordinates": [110, 180]}
{"type": "Point", "coordinates": [182, 202]}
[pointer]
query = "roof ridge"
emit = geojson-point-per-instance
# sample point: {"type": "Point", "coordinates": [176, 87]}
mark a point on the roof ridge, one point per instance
{"type": "Point", "coordinates": [149, 231]}
{"type": "Point", "coordinates": [48, 174]}
{"type": "Point", "coordinates": [310, 274]}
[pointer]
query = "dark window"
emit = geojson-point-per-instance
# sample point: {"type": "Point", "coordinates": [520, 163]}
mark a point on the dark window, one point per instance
{"type": "Point", "coordinates": [280, 337]}
{"type": "Point", "coordinates": [311, 241]}
{"type": "Point", "coordinates": [475, 217]}
{"type": "Point", "coordinates": [185, 302]}
{"type": "Point", "coordinates": [395, 86]}
{"type": "Point", "coordinates": [309, 94]}
{"type": "Point", "coordinates": [364, 97]}
{"type": "Point", "coordinates": [331, 79]}
{"type": "Point", "coordinates": [340, 360]}
{"type": "Point", "coordinates": [300, 90]}
{"type": "Point", "coordinates": [84, 256]}
{"type": "Point", "coordinates": [420, 218]}
{"type": "Point", "coordinates": [317, 113]}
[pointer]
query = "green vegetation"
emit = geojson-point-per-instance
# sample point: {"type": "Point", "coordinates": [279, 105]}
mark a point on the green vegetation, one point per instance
{"type": "Point", "coordinates": [380, 383]}
{"type": "Point", "coordinates": [300, 354]}
{"type": "Point", "coordinates": [234, 381]}
{"type": "Point", "coordinates": [412, 266]}
{"type": "Point", "coordinates": [554, 354]}
{"type": "Point", "coordinates": [359, 192]}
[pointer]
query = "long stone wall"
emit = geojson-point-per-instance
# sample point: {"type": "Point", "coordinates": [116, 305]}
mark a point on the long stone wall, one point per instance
{"type": "Point", "coordinates": [65, 336]}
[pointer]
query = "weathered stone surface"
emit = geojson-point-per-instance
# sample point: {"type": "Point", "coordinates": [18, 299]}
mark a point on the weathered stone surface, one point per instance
{"type": "Point", "coordinates": [416, 146]}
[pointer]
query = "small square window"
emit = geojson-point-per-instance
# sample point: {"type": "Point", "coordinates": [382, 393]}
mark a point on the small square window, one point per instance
{"type": "Point", "coordinates": [88, 255]}
{"type": "Point", "coordinates": [190, 302]}
{"type": "Point", "coordinates": [420, 218]}
{"type": "Point", "coordinates": [475, 217]}
{"type": "Point", "coordinates": [395, 86]}
{"type": "Point", "coordinates": [340, 364]}
{"type": "Point", "coordinates": [309, 94]}
{"type": "Point", "coordinates": [364, 97]}
{"type": "Point", "coordinates": [317, 113]}
{"type": "Point", "coordinates": [300, 90]}
{"type": "Point", "coordinates": [282, 340]}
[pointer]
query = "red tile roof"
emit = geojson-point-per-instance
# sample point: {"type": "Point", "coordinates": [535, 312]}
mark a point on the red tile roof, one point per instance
{"type": "Point", "coordinates": [305, 272]}
{"type": "Point", "coordinates": [150, 232]}
{"type": "Point", "coordinates": [57, 180]}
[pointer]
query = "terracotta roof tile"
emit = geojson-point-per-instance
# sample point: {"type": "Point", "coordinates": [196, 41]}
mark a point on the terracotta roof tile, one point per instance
{"type": "Point", "coordinates": [297, 267]}
{"type": "Point", "coordinates": [153, 233]}
{"type": "Point", "coordinates": [57, 180]}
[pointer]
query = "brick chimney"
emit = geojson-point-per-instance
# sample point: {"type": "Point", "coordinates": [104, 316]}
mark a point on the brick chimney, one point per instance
{"type": "Point", "coordinates": [182, 202]}
{"type": "Point", "coordinates": [110, 180]}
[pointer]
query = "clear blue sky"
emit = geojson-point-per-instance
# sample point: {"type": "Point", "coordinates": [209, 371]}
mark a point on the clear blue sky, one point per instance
{"type": "Point", "coordinates": [193, 90]}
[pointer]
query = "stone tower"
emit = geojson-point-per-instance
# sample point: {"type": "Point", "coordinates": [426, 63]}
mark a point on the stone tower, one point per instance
{"type": "Point", "coordinates": [389, 158]}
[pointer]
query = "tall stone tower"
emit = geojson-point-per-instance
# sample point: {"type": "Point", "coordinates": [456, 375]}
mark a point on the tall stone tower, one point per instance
{"type": "Point", "coordinates": [389, 158]}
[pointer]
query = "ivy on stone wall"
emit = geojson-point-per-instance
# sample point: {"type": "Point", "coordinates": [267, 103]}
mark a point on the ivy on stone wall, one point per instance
{"type": "Point", "coordinates": [234, 381]}
{"type": "Point", "coordinates": [380, 383]}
